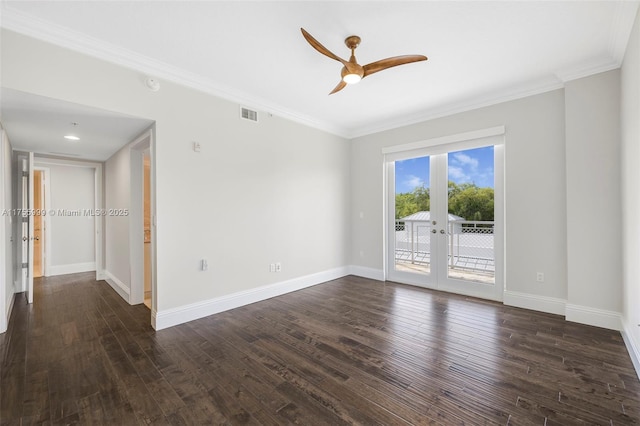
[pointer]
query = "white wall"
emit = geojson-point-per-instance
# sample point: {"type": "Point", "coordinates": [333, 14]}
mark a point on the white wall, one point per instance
{"type": "Point", "coordinates": [118, 196]}
{"type": "Point", "coordinates": [592, 110]}
{"type": "Point", "coordinates": [72, 237]}
{"type": "Point", "coordinates": [287, 181]}
{"type": "Point", "coordinates": [630, 135]}
{"type": "Point", "coordinates": [7, 289]}
{"type": "Point", "coordinates": [534, 195]}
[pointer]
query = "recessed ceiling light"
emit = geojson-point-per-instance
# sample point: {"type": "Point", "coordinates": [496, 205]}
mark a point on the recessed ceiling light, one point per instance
{"type": "Point", "coordinates": [72, 138]}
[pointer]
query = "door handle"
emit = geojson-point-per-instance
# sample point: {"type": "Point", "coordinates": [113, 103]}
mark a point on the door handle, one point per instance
{"type": "Point", "coordinates": [37, 238]}
{"type": "Point", "coordinates": [433, 231]}
{"type": "Point", "coordinates": [24, 239]}
{"type": "Point", "coordinates": [442, 231]}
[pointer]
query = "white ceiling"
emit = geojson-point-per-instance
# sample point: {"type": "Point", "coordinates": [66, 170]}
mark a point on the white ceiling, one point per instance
{"type": "Point", "coordinates": [253, 53]}
{"type": "Point", "coordinates": [38, 124]}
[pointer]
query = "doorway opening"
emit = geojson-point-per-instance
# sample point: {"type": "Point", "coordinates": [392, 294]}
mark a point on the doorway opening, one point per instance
{"type": "Point", "coordinates": [445, 221]}
{"type": "Point", "coordinates": [146, 190]}
{"type": "Point", "coordinates": [141, 222]}
{"type": "Point", "coordinates": [71, 223]}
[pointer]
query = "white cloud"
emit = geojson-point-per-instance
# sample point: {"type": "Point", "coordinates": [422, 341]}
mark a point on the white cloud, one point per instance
{"type": "Point", "coordinates": [462, 159]}
{"type": "Point", "coordinates": [413, 181]}
{"type": "Point", "coordinates": [457, 174]}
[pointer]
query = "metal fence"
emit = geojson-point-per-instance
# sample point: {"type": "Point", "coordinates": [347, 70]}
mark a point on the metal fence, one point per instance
{"type": "Point", "coordinates": [470, 244]}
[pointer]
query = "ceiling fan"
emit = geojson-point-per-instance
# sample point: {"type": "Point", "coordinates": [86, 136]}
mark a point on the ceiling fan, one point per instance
{"type": "Point", "coordinates": [352, 72]}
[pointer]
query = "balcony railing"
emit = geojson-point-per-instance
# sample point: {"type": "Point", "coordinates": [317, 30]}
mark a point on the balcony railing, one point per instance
{"type": "Point", "coordinates": [470, 244]}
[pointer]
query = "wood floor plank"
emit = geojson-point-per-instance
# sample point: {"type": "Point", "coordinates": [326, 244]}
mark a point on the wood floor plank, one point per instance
{"type": "Point", "coordinates": [349, 351]}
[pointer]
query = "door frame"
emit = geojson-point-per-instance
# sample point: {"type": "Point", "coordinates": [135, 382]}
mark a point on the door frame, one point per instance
{"type": "Point", "coordinates": [41, 163]}
{"type": "Point", "coordinates": [45, 194]}
{"type": "Point", "coordinates": [137, 149]}
{"type": "Point", "coordinates": [441, 145]}
{"type": "Point", "coordinates": [24, 234]}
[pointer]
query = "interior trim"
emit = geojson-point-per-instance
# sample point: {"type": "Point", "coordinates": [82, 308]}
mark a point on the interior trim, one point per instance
{"type": "Point", "coordinates": [632, 348]}
{"type": "Point", "coordinates": [550, 305]}
{"type": "Point", "coordinates": [117, 285]}
{"type": "Point", "coordinates": [473, 135]}
{"type": "Point", "coordinates": [181, 314]}
{"type": "Point", "coordinates": [593, 316]}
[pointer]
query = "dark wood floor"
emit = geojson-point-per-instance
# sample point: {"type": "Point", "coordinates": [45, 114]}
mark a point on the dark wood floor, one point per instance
{"type": "Point", "coordinates": [351, 351]}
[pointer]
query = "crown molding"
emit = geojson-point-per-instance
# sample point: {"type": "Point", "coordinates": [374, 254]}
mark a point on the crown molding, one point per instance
{"type": "Point", "coordinates": [586, 69]}
{"type": "Point", "coordinates": [624, 17]}
{"type": "Point", "coordinates": [496, 97]}
{"type": "Point", "coordinates": [469, 104]}
{"type": "Point", "coordinates": [58, 35]}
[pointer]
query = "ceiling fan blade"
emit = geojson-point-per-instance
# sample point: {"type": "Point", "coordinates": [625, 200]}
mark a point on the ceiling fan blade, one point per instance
{"type": "Point", "coordinates": [383, 64]}
{"type": "Point", "coordinates": [320, 48]}
{"type": "Point", "coordinates": [339, 87]}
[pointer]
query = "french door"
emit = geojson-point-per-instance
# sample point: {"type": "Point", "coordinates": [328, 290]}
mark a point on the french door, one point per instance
{"type": "Point", "coordinates": [445, 217]}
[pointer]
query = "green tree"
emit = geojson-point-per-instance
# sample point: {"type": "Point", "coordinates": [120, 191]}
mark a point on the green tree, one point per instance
{"type": "Point", "coordinates": [470, 202]}
{"type": "Point", "coordinates": [423, 200]}
{"type": "Point", "coordinates": [455, 189]}
{"type": "Point", "coordinates": [405, 205]}
{"type": "Point", "coordinates": [465, 200]}
{"type": "Point", "coordinates": [408, 203]}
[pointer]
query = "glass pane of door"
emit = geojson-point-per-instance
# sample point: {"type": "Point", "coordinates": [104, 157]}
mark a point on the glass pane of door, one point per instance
{"type": "Point", "coordinates": [470, 221]}
{"type": "Point", "coordinates": [412, 236]}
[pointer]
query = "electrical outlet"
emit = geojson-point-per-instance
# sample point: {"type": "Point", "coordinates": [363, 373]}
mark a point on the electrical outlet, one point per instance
{"type": "Point", "coordinates": [278, 267]}
{"type": "Point", "coordinates": [272, 267]}
{"type": "Point", "coordinates": [540, 277]}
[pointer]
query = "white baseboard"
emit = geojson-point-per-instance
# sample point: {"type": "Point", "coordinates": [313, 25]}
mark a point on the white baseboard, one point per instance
{"type": "Point", "coordinates": [364, 272]}
{"type": "Point", "coordinates": [17, 285]}
{"type": "Point", "coordinates": [193, 311]}
{"type": "Point", "coordinates": [9, 308]}
{"type": "Point", "coordinates": [101, 275]}
{"type": "Point", "coordinates": [12, 301]}
{"type": "Point", "coordinates": [117, 285]}
{"type": "Point", "coordinates": [575, 313]}
{"type": "Point", "coordinates": [632, 347]}
{"type": "Point", "coordinates": [593, 316]}
{"type": "Point", "coordinates": [550, 305]}
{"type": "Point", "coordinates": [72, 268]}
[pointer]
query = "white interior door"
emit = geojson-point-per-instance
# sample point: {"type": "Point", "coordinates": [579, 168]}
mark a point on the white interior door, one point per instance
{"type": "Point", "coordinates": [26, 221]}
{"type": "Point", "coordinates": [445, 226]}
{"type": "Point", "coordinates": [31, 230]}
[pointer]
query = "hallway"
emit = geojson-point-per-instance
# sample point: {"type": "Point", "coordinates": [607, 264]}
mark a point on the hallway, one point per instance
{"type": "Point", "coordinates": [68, 342]}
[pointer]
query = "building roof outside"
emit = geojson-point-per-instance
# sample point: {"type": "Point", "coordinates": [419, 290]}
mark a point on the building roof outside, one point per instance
{"type": "Point", "coordinates": [425, 216]}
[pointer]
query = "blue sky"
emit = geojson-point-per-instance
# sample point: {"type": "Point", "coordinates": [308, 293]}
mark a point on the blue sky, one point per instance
{"type": "Point", "coordinates": [471, 166]}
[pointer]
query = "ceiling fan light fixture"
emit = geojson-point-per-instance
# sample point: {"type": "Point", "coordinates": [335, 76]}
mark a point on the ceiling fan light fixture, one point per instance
{"type": "Point", "coordinates": [352, 72]}
{"type": "Point", "coordinates": [351, 78]}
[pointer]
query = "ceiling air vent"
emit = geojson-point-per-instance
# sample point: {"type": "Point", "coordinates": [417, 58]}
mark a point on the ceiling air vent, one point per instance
{"type": "Point", "coordinates": [248, 114]}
